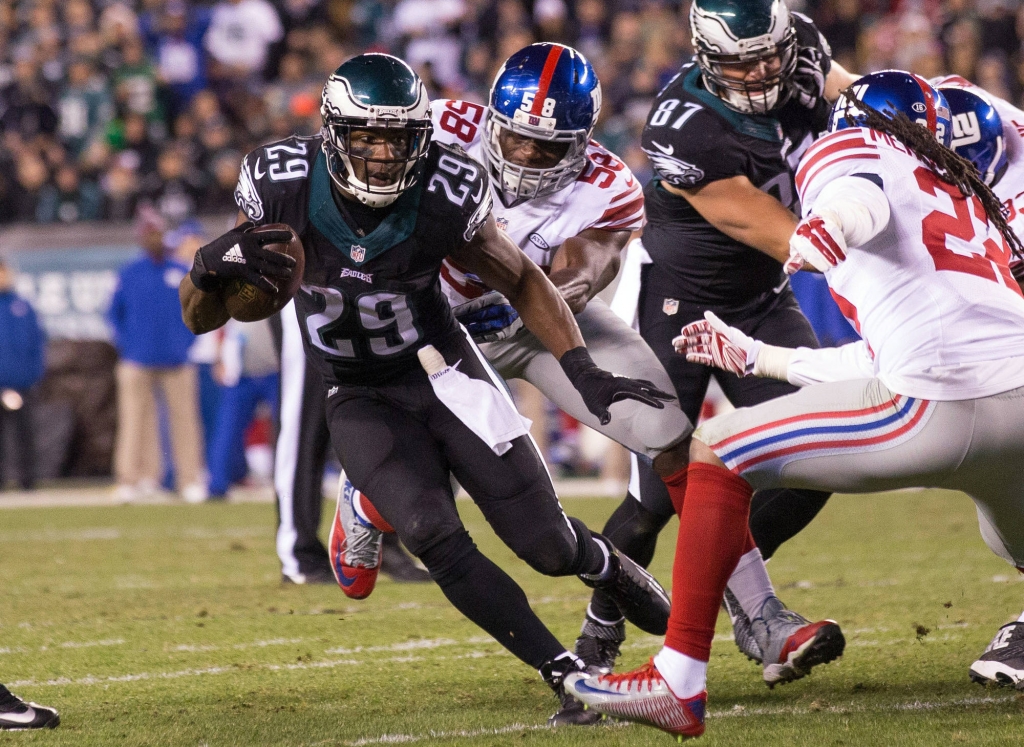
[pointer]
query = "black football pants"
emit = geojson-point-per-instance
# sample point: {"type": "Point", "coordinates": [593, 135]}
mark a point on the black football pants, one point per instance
{"type": "Point", "coordinates": [398, 444]}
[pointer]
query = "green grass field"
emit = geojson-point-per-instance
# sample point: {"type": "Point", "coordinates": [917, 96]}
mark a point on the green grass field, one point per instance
{"type": "Point", "coordinates": [167, 625]}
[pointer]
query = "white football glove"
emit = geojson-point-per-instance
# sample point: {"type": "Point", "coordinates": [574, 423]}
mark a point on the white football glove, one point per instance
{"type": "Point", "coordinates": [818, 241]}
{"type": "Point", "coordinates": [712, 342]}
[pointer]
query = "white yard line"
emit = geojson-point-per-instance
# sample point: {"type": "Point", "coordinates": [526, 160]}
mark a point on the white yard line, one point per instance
{"type": "Point", "coordinates": [734, 712]}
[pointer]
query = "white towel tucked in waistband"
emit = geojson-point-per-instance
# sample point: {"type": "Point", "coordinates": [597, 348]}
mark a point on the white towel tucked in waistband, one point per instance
{"type": "Point", "coordinates": [627, 294]}
{"type": "Point", "coordinates": [478, 404]}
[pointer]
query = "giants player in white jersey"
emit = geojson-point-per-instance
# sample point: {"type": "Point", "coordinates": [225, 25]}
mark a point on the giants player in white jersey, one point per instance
{"type": "Point", "coordinates": [570, 205]}
{"type": "Point", "coordinates": [916, 250]}
{"type": "Point", "coordinates": [989, 132]}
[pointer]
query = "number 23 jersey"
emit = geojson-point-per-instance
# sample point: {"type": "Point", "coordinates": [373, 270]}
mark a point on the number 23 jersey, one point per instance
{"type": "Point", "coordinates": [367, 303]}
{"type": "Point", "coordinates": [931, 294]}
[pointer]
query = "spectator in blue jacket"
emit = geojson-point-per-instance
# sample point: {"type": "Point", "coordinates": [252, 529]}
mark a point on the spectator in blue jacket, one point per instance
{"type": "Point", "coordinates": [22, 343]}
{"type": "Point", "coordinates": [153, 345]}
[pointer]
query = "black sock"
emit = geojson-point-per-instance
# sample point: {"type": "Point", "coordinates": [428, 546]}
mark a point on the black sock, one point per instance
{"type": "Point", "coordinates": [489, 597]}
{"type": "Point", "coordinates": [634, 531]}
{"type": "Point", "coordinates": [778, 515]}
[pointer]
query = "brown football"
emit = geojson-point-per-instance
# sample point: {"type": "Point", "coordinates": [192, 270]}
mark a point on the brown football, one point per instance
{"type": "Point", "coordinates": [247, 303]}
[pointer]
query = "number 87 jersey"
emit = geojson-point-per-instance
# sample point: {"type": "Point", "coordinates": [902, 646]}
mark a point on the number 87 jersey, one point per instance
{"type": "Point", "coordinates": [368, 302]}
{"type": "Point", "coordinates": [931, 294]}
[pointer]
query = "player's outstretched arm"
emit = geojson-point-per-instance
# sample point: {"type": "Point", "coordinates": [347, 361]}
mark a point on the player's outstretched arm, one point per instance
{"type": "Point", "coordinates": [744, 213]}
{"type": "Point", "coordinates": [585, 264]}
{"type": "Point", "coordinates": [838, 80]}
{"type": "Point", "coordinates": [501, 265]}
{"type": "Point", "coordinates": [712, 342]}
{"type": "Point", "coordinates": [234, 255]}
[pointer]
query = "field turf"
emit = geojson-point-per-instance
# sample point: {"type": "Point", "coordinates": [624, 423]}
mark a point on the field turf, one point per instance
{"type": "Point", "coordinates": [168, 625]}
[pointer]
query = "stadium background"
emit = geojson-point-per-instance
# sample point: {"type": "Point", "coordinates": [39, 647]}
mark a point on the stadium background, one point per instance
{"type": "Point", "coordinates": [105, 106]}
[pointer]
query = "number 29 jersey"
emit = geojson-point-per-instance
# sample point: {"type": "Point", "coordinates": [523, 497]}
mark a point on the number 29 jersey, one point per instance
{"type": "Point", "coordinates": [605, 196]}
{"type": "Point", "coordinates": [367, 303]}
{"type": "Point", "coordinates": [931, 294]}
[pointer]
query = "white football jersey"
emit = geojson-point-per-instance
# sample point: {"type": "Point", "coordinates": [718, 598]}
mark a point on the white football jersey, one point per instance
{"type": "Point", "coordinates": [931, 294]}
{"type": "Point", "coordinates": [605, 196]}
{"type": "Point", "coordinates": [1010, 188]}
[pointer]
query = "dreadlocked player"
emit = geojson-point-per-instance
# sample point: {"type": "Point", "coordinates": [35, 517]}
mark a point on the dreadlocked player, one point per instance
{"type": "Point", "coordinates": [915, 247]}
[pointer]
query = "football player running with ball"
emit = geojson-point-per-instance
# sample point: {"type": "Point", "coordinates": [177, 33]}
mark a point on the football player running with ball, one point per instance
{"type": "Point", "coordinates": [987, 131]}
{"type": "Point", "coordinates": [724, 137]}
{"type": "Point", "coordinates": [916, 248]}
{"type": "Point", "coordinates": [570, 205]}
{"type": "Point", "coordinates": [378, 206]}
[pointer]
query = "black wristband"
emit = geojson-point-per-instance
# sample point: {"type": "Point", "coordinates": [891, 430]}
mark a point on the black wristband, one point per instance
{"type": "Point", "coordinates": [202, 279]}
{"type": "Point", "coordinates": [576, 362]}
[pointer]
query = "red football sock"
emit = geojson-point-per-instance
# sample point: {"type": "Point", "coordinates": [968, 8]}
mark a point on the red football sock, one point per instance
{"type": "Point", "coordinates": [713, 533]}
{"type": "Point", "coordinates": [676, 484]}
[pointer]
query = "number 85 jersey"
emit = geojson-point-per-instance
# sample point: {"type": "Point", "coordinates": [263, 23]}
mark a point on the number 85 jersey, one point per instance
{"type": "Point", "coordinates": [932, 293]}
{"type": "Point", "coordinates": [368, 303]}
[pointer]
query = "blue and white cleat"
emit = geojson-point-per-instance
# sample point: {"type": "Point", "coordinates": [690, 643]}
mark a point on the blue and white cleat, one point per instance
{"type": "Point", "coordinates": [642, 696]}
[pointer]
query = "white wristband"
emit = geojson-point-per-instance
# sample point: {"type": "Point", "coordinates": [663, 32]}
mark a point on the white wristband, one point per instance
{"type": "Point", "coordinates": [772, 362]}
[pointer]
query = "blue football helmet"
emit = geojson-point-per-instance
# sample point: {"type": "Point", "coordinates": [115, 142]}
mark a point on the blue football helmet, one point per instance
{"type": "Point", "coordinates": [892, 91]}
{"type": "Point", "coordinates": [977, 132]}
{"type": "Point", "coordinates": [548, 92]}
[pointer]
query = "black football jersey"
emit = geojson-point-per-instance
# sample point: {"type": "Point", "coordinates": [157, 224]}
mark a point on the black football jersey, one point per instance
{"type": "Point", "coordinates": [368, 303]}
{"type": "Point", "coordinates": [693, 138]}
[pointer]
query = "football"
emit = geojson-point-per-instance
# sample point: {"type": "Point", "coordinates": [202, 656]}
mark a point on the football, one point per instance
{"type": "Point", "coordinates": [247, 303]}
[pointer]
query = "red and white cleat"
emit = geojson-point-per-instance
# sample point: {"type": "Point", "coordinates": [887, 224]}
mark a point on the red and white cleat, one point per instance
{"type": "Point", "coordinates": [792, 644]}
{"type": "Point", "coordinates": [642, 696]}
{"type": "Point", "coordinates": [355, 545]}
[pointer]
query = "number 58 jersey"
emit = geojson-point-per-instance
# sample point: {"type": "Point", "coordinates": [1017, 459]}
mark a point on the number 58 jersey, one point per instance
{"type": "Point", "coordinates": [368, 303]}
{"type": "Point", "coordinates": [605, 196]}
{"type": "Point", "coordinates": [932, 293]}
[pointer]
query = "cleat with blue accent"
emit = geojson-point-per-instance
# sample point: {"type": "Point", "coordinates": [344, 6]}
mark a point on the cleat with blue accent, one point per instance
{"type": "Point", "coordinates": [642, 696]}
{"type": "Point", "coordinates": [792, 644]}
{"type": "Point", "coordinates": [1002, 663]}
{"type": "Point", "coordinates": [17, 715]}
{"type": "Point", "coordinates": [355, 546]}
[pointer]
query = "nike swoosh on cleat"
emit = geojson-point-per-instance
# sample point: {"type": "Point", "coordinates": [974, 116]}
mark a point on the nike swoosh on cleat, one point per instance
{"type": "Point", "coordinates": [584, 687]}
{"type": "Point", "coordinates": [20, 718]}
{"type": "Point", "coordinates": [344, 580]}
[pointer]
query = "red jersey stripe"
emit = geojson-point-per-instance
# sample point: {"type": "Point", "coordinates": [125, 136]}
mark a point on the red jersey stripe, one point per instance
{"type": "Point", "coordinates": [831, 162]}
{"type": "Point", "coordinates": [825, 149]}
{"type": "Point", "coordinates": [617, 213]}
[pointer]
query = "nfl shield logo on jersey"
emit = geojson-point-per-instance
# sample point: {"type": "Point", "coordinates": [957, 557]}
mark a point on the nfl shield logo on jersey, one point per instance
{"type": "Point", "coordinates": [358, 253]}
{"type": "Point", "coordinates": [670, 306]}
{"type": "Point", "coordinates": [502, 224]}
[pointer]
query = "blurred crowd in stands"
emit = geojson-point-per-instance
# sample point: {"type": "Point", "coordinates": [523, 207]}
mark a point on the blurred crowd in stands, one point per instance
{"type": "Point", "coordinates": [105, 104]}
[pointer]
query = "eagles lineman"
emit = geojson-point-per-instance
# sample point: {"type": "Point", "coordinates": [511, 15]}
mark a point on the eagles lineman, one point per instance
{"type": "Point", "coordinates": [724, 137]}
{"type": "Point", "coordinates": [375, 323]}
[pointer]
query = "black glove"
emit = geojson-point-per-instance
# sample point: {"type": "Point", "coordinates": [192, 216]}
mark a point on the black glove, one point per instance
{"type": "Point", "coordinates": [239, 254]}
{"type": "Point", "coordinates": [808, 80]}
{"type": "Point", "coordinates": [600, 388]}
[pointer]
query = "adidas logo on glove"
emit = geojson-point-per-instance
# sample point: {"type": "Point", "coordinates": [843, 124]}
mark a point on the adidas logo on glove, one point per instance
{"type": "Point", "coordinates": [234, 254]}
